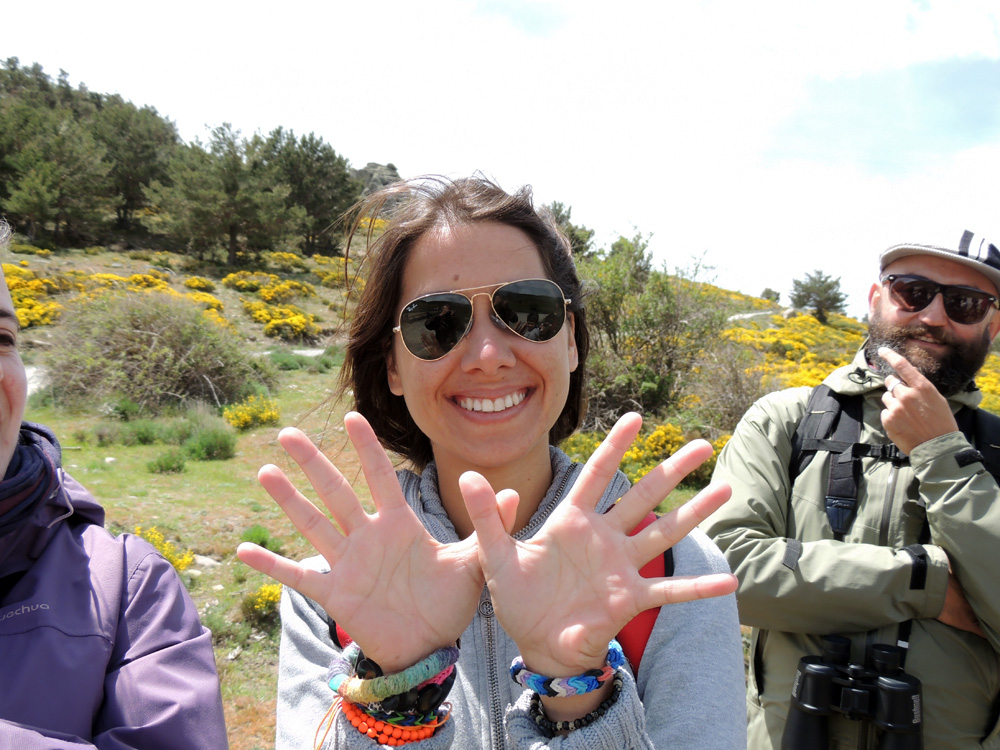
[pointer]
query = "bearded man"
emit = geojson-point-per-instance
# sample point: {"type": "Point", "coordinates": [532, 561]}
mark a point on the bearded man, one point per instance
{"type": "Point", "coordinates": [877, 523]}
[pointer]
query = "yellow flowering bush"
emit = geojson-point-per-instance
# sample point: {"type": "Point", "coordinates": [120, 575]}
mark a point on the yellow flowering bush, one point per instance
{"type": "Point", "coordinates": [249, 281]}
{"type": "Point", "coordinates": [988, 381]}
{"type": "Point", "coordinates": [219, 319]}
{"type": "Point", "coordinates": [262, 605]}
{"type": "Point", "coordinates": [252, 411]}
{"type": "Point", "coordinates": [180, 559]}
{"type": "Point", "coordinates": [206, 300]}
{"type": "Point", "coordinates": [199, 284]}
{"type": "Point", "coordinates": [293, 328]}
{"type": "Point", "coordinates": [800, 350]}
{"type": "Point", "coordinates": [286, 291]}
{"type": "Point", "coordinates": [646, 452]}
{"type": "Point", "coordinates": [287, 262]}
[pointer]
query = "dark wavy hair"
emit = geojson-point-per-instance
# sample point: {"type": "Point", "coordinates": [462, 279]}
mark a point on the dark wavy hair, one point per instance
{"type": "Point", "coordinates": [412, 208]}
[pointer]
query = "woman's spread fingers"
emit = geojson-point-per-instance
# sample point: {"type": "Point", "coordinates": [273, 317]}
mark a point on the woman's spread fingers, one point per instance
{"type": "Point", "coordinates": [604, 462]}
{"type": "Point", "coordinates": [379, 471]}
{"type": "Point", "coordinates": [662, 591]}
{"type": "Point", "coordinates": [330, 485]}
{"type": "Point", "coordinates": [281, 569]}
{"type": "Point", "coordinates": [653, 488]}
{"type": "Point", "coordinates": [481, 502]}
{"type": "Point", "coordinates": [307, 518]}
{"type": "Point", "coordinates": [671, 528]}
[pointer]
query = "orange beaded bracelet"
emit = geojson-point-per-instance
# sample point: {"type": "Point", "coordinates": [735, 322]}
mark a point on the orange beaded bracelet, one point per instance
{"type": "Point", "coordinates": [385, 733]}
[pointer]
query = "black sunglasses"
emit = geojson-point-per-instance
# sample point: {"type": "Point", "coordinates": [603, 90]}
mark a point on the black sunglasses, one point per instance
{"type": "Point", "coordinates": [963, 304]}
{"type": "Point", "coordinates": [432, 325]}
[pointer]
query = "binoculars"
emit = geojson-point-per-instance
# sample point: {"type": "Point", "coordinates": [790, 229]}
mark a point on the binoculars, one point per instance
{"type": "Point", "coordinates": [829, 684]}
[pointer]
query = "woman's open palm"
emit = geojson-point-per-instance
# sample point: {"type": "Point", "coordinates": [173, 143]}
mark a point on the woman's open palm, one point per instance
{"type": "Point", "coordinates": [564, 593]}
{"type": "Point", "coordinates": [400, 593]}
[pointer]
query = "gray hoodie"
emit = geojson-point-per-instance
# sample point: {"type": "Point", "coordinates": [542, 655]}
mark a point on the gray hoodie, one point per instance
{"type": "Point", "coordinates": [692, 667]}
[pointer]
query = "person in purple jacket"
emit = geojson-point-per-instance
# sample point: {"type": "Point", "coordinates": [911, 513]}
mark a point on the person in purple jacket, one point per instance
{"type": "Point", "coordinates": [100, 644]}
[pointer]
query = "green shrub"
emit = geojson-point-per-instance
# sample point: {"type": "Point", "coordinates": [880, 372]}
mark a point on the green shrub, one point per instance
{"type": "Point", "coordinates": [124, 409]}
{"type": "Point", "coordinates": [259, 535]}
{"type": "Point", "coordinates": [139, 432]}
{"type": "Point", "coordinates": [151, 349]}
{"type": "Point", "coordinates": [211, 444]}
{"type": "Point", "coordinates": [171, 462]}
{"type": "Point", "coordinates": [286, 359]}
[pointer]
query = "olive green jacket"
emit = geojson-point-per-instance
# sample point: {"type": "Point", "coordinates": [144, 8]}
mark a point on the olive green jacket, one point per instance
{"type": "Point", "coordinates": [861, 587]}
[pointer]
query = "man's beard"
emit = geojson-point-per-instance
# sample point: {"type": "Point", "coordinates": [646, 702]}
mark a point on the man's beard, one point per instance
{"type": "Point", "coordinates": [949, 373]}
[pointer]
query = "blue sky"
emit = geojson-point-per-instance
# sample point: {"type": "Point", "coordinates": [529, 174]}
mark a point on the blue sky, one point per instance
{"type": "Point", "coordinates": [771, 138]}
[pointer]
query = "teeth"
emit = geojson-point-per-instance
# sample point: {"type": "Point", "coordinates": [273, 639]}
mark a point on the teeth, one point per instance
{"type": "Point", "coordinates": [492, 405]}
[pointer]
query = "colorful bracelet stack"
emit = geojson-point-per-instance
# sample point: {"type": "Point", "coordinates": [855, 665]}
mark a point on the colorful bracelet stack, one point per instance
{"type": "Point", "coordinates": [537, 712]}
{"type": "Point", "coordinates": [562, 687]}
{"type": "Point", "coordinates": [393, 709]}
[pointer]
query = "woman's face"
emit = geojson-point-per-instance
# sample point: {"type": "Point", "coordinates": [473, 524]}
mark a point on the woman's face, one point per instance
{"type": "Point", "coordinates": [13, 380]}
{"type": "Point", "coordinates": [490, 364]}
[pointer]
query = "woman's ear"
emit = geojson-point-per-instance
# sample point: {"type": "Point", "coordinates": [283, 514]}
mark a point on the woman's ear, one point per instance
{"type": "Point", "coordinates": [573, 354]}
{"type": "Point", "coordinates": [392, 375]}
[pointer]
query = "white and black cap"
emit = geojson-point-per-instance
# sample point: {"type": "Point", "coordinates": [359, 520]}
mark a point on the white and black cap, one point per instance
{"type": "Point", "coordinates": [971, 249]}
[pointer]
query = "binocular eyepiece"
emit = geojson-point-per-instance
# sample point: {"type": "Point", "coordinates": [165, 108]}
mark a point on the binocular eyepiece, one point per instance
{"type": "Point", "coordinates": [829, 684]}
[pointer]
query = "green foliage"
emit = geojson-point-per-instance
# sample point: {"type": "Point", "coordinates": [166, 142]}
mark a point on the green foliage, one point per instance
{"type": "Point", "coordinates": [211, 444]}
{"type": "Point", "coordinates": [286, 359]}
{"type": "Point", "coordinates": [139, 432]}
{"type": "Point", "coordinates": [150, 348]}
{"type": "Point", "coordinates": [820, 293]}
{"type": "Point", "coordinates": [226, 195]}
{"type": "Point", "coordinates": [320, 183]}
{"type": "Point", "coordinates": [580, 238]}
{"type": "Point", "coordinates": [771, 295]}
{"type": "Point", "coordinates": [260, 536]}
{"type": "Point", "coordinates": [170, 462]}
{"type": "Point", "coordinates": [648, 331]}
{"type": "Point", "coordinates": [138, 144]}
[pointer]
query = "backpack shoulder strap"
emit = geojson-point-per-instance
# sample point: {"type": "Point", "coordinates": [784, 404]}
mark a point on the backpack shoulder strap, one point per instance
{"type": "Point", "coordinates": [982, 429]}
{"type": "Point", "coordinates": [635, 634]}
{"type": "Point", "coordinates": [822, 410]}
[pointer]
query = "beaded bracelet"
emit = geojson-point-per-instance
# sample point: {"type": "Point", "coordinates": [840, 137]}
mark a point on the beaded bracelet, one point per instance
{"type": "Point", "coordinates": [563, 687]}
{"type": "Point", "coordinates": [342, 680]}
{"type": "Point", "coordinates": [537, 712]}
{"type": "Point", "coordinates": [385, 733]}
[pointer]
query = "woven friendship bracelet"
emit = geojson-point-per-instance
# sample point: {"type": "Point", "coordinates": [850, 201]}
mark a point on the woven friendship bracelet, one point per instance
{"type": "Point", "coordinates": [563, 687]}
{"type": "Point", "coordinates": [356, 690]}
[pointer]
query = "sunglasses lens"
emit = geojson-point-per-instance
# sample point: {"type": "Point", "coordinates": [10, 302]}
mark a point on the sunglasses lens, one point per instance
{"type": "Point", "coordinates": [533, 309]}
{"type": "Point", "coordinates": [432, 326]}
{"type": "Point", "coordinates": [966, 307]}
{"type": "Point", "coordinates": [913, 295]}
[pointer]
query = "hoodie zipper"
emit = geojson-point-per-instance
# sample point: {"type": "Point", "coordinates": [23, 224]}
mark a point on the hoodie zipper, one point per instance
{"type": "Point", "coordinates": [498, 740]}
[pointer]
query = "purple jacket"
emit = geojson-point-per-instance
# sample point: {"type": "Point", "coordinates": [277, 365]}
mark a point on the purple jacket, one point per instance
{"type": "Point", "coordinates": [100, 644]}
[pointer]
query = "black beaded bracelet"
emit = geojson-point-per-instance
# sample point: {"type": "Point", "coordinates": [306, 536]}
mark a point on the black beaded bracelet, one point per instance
{"type": "Point", "coordinates": [537, 712]}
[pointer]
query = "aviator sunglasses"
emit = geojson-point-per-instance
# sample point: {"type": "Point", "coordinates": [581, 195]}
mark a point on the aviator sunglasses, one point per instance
{"type": "Point", "coordinates": [962, 304]}
{"type": "Point", "coordinates": [434, 324]}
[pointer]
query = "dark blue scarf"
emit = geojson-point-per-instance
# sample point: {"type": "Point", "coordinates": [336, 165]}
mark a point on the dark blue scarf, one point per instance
{"type": "Point", "coordinates": [31, 476]}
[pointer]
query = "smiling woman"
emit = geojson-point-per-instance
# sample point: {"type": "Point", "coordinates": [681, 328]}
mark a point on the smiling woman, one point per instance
{"type": "Point", "coordinates": [466, 356]}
